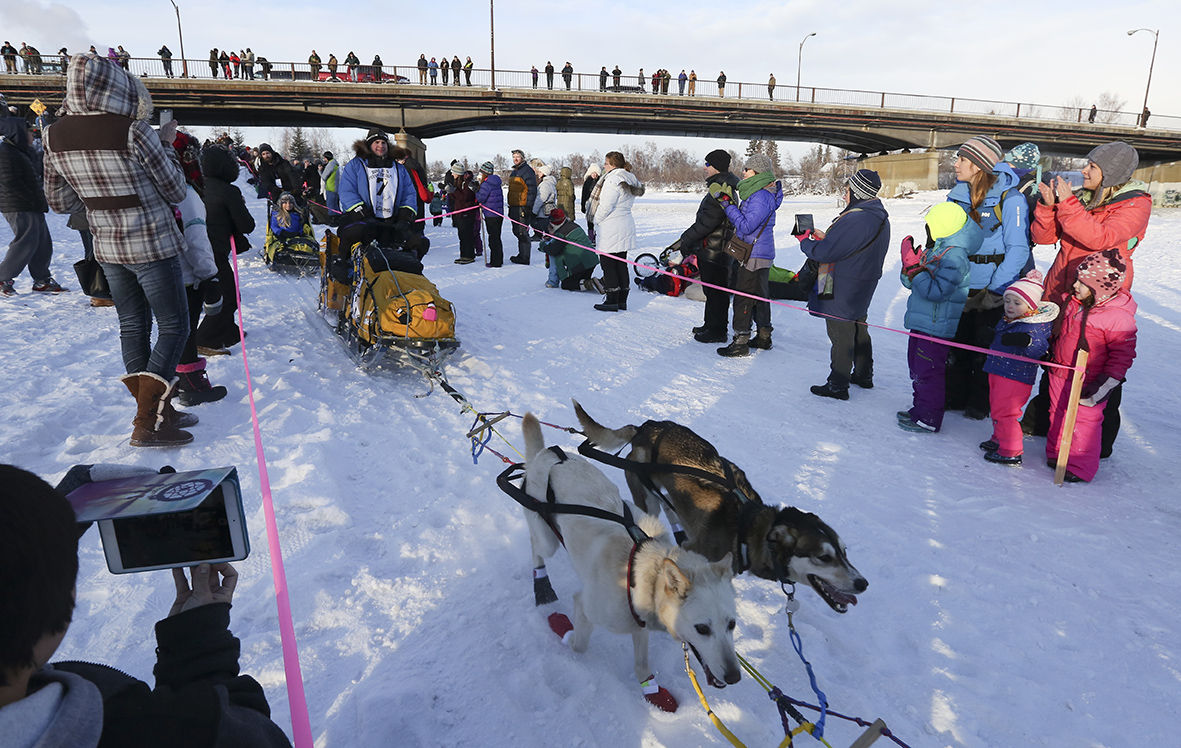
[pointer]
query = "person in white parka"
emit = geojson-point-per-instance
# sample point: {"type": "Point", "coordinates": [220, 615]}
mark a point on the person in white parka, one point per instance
{"type": "Point", "coordinates": [614, 227]}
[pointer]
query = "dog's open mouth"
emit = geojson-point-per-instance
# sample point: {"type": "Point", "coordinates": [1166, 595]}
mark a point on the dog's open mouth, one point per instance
{"type": "Point", "coordinates": [837, 600]}
{"type": "Point", "coordinates": [713, 680]}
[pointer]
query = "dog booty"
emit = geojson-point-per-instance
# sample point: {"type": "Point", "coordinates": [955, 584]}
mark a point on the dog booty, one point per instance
{"type": "Point", "coordinates": [560, 625]}
{"type": "Point", "coordinates": [658, 696]}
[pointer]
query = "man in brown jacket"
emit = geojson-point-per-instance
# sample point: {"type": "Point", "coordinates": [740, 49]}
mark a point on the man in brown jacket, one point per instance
{"type": "Point", "coordinates": [104, 156]}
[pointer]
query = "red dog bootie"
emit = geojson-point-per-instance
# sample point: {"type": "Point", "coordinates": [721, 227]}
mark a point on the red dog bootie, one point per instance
{"type": "Point", "coordinates": [657, 695]}
{"type": "Point", "coordinates": [560, 625]}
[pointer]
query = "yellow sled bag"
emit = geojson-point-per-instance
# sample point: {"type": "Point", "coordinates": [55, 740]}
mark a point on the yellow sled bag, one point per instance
{"type": "Point", "coordinates": [404, 305]}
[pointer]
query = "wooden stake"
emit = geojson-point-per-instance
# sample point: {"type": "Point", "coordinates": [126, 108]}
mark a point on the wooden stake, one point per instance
{"type": "Point", "coordinates": [871, 734]}
{"type": "Point", "coordinates": [1066, 435]}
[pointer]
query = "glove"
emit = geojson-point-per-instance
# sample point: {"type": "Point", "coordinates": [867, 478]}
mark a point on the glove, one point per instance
{"type": "Point", "coordinates": [359, 213]}
{"type": "Point", "coordinates": [1016, 339]}
{"type": "Point", "coordinates": [1097, 392]}
{"type": "Point", "coordinates": [721, 192]}
{"type": "Point", "coordinates": [801, 237]}
{"type": "Point", "coordinates": [407, 214]}
{"type": "Point", "coordinates": [991, 300]}
{"type": "Point", "coordinates": [211, 295]}
{"type": "Point", "coordinates": [911, 257]}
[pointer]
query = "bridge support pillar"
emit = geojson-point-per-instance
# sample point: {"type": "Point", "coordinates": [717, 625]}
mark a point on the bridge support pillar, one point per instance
{"type": "Point", "coordinates": [413, 144]}
{"type": "Point", "coordinates": [1164, 182]}
{"type": "Point", "coordinates": [905, 172]}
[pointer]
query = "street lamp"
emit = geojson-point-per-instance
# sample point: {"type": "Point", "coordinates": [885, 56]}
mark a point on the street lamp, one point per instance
{"type": "Point", "coordinates": [1155, 38]}
{"type": "Point", "coordinates": [799, 62]}
{"type": "Point", "coordinates": [492, 40]}
{"type": "Point", "coordinates": [184, 63]}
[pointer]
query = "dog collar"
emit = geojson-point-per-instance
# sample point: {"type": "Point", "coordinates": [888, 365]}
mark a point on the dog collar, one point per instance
{"type": "Point", "coordinates": [631, 582]}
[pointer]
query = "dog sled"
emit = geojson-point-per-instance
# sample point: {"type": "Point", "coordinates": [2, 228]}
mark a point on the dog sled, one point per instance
{"type": "Point", "coordinates": [301, 251]}
{"type": "Point", "coordinates": [384, 305]}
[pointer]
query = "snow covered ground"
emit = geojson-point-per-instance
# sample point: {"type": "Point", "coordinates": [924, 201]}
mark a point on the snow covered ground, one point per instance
{"type": "Point", "coordinates": [1001, 610]}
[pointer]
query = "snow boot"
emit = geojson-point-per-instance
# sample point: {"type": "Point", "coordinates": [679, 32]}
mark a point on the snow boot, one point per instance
{"type": "Point", "coordinates": [194, 387]}
{"type": "Point", "coordinates": [611, 303]}
{"type": "Point", "coordinates": [1001, 459]}
{"type": "Point", "coordinates": [150, 427]}
{"type": "Point", "coordinates": [739, 346]}
{"type": "Point", "coordinates": [709, 336]}
{"type": "Point", "coordinates": [990, 445]}
{"type": "Point", "coordinates": [621, 299]}
{"type": "Point", "coordinates": [762, 339]}
{"type": "Point", "coordinates": [836, 393]}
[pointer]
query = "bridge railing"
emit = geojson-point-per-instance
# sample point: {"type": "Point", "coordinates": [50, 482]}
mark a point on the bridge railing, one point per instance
{"type": "Point", "coordinates": [631, 85]}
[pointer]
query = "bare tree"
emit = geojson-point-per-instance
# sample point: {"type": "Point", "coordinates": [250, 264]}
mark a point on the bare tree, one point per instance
{"type": "Point", "coordinates": [1110, 106]}
{"type": "Point", "coordinates": [1072, 110]}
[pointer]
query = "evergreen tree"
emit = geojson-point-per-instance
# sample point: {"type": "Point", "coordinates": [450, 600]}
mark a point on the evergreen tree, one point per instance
{"type": "Point", "coordinates": [771, 148]}
{"type": "Point", "coordinates": [755, 147]}
{"type": "Point", "coordinates": [299, 147]}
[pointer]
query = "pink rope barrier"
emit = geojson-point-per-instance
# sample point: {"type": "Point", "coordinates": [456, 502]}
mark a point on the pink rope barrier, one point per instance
{"type": "Point", "coordinates": [297, 700]}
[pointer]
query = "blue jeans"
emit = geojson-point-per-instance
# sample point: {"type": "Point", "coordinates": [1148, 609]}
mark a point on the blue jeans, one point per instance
{"type": "Point", "coordinates": [333, 200]}
{"type": "Point", "coordinates": [141, 291]}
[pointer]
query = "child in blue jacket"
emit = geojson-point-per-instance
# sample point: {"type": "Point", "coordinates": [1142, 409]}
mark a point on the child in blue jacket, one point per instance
{"type": "Point", "coordinates": [938, 281]}
{"type": "Point", "coordinates": [1025, 331]}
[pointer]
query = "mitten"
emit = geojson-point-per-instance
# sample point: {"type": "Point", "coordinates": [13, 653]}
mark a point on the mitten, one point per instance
{"type": "Point", "coordinates": [1016, 339]}
{"type": "Point", "coordinates": [991, 300]}
{"type": "Point", "coordinates": [211, 295]}
{"type": "Point", "coordinates": [911, 257]}
{"type": "Point", "coordinates": [1097, 392]}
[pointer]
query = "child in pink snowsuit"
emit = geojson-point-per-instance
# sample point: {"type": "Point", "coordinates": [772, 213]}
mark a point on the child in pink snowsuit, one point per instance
{"type": "Point", "coordinates": [1024, 330]}
{"type": "Point", "coordinates": [1101, 316]}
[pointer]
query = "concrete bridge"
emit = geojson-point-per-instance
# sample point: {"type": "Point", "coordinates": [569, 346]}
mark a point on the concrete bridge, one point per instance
{"type": "Point", "coordinates": [860, 121]}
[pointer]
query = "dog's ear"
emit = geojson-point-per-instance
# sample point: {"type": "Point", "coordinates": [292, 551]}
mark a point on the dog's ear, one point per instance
{"type": "Point", "coordinates": [675, 581]}
{"type": "Point", "coordinates": [781, 535]}
{"type": "Point", "coordinates": [724, 567]}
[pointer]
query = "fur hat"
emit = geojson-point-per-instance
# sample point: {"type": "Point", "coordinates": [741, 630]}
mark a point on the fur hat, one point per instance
{"type": "Point", "coordinates": [557, 217]}
{"type": "Point", "coordinates": [286, 196]}
{"type": "Point", "coordinates": [1117, 160]}
{"type": "Point", "coordinates": [1103, 273]}
{"type": "Point", "coordinates": [982, 151]}
{"type": "Point", "coordinates": [377, 134]}
{"type": "Point", "coordinates": [759, 163]}
{"type": "Point", "coordinates": [487, 168]}
{"type": "Point", "coordinates": [1029, 289]}
{"type": "Point", "coordinates": [865, 184]}
{"type": "Point", "coordinates": [719, 159]}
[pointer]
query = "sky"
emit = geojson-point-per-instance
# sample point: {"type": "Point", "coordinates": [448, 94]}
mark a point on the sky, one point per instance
{"type": "Point", "coordinates": [1046, 53]}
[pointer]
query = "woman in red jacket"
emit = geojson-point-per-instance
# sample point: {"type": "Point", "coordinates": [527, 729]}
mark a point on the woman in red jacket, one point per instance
{"type": "Point", "coordinates": [1109, 212]}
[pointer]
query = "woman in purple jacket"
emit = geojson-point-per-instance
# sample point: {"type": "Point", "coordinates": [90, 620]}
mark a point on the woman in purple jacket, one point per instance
{"type": "Point", "coordinates": [491, 197]}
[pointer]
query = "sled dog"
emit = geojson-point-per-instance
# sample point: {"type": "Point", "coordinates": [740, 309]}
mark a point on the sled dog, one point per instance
{"type": "Point", "coordinates": [727, 516]}
{"type": "Point", "coordinates": [628, 587]}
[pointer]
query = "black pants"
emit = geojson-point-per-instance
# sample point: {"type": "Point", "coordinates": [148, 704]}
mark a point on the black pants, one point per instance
{"type": "Point", "coordinates": [220, 329]}
{"type": "Point", "coordinates": [384, 230]}
{"type": "Point", "coordinates": [614, 272]}
{"type": "Point", "coordinates": [493, 225]}
{"type": "Point", "coordinates": [852, 351]}
{"type": "Point", "coordinates": [465, 224]}
{"type": "Point", "coordinates": [717, 302]}
{"type": "Point", "coordinates": [521, 220]}
{"type": "Point", "coordinates": [168, 72]}
{"type": "Point", "coordinates": [573, 282]}
{"type": "Point", "coordinates": [756, 283]}
{"type": "Point", "coordinates": [967, 382]}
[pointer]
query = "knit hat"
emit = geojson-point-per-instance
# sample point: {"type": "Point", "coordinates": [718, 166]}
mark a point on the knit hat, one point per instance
{"type": "Point", "coordinates": [759, 163]}
{"type": "Point", "coordinates": [944, 219]}
{"type": "Point", "coordinates": [865, 184]}
{"type": "Point", "coordinates": [1103, 273]}
{"type": "Point", "coordinates": [557, 217]}
{"type": "Point", "coordinates": [487, 167]}
{"type": "Point", "coordinates": [1029, 289]}
{"type": "Point", "coordinates": [719, 159]}
{"type": "Point", "coordinates": [457, 168]}
{"type": "Point", "coordinates": [376, 134]}
{"type": "Point", "coordinates": [982, 151]}
{"type": "Point", "coordinates": [1117, 160]}
{"type": "Point", "coordinates": [1024, 156]}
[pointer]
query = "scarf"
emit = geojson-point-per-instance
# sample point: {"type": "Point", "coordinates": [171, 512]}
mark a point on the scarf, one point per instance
{"type": "Point", "coordinates": [753, 184]}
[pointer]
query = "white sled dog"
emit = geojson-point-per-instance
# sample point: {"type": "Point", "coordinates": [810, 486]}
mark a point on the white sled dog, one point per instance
{"type": "Point", "coordinates": [628, 588]}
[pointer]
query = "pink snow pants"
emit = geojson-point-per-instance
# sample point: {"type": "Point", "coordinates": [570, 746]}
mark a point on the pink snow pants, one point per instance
{"type": "Point", "coordinates": [1006, 399]}
{"type": "Point", "coordinates": [1083, 460]}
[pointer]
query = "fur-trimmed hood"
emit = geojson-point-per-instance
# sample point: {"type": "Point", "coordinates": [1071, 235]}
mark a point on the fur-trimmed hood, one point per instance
{"type": "Point", "coordinates": [1047, 311]}
{"type": "Point", "coordinates": [365, 153]}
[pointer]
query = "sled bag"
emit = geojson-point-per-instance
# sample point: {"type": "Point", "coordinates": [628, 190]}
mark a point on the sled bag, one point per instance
{"type": "Point", "coordinates": [404, 305]}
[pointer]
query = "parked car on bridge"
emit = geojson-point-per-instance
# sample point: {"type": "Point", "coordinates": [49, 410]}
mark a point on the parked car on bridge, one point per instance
{"type": "Point", "coordinates": [362, 74]}
{"type": "Point", "coordinates": [625, 89]}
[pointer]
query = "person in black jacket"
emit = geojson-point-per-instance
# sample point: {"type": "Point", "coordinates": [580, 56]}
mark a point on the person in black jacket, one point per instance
{"type": "Point", "coordinates": [22, 200]}
{"type": "Point", "coordinates": [271, 168]}
{"type": "Point", "coordinates": [226, 217]}
{"type": "Point", "coordinates": [706, 237]}
{"type": "Point", "coordinates": [200, 698]}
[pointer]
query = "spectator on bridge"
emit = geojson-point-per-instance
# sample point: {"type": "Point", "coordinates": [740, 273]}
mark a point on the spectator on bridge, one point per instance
{"type": "Point", "coordinates": [113, 56]}
{"type": "Point", "coordinates": [248, 64]}
{"type": "Point", "coordinates": [165, 57]}
{"type": "Point", "coordinates": [272, 169]}
{"type": "Point", "coordinates": [9, 53]}
{"type": "Point", "coordinates": [422, 66]}
{"type": "Point", "coordinates": [1091, 116]}
{"type": "Point", "coordinates": [314, 65]}
{"type": "Point", "coordinates": [589, 180]}
{"type": "Point", "coordinates": [706, 238]}
{"type": "Point", "coordinates": [333, 64]}
{"type": "Point", "coordinates": [522, 194]}
{"type": "Point", "coordinates": [266, 66]}
{"type": "Point", "coordinates": [615, 74]}
{"type": "Point", "coordinates": [612, 205]}
{"type": "Point", "coordinates": [1144, 117]}
{"type": "Point", "coordinates": [533, 71]}
{"type": "Point", "coordinates": [986, 188]}
{"type": "Point", "coordinates": [224, 60]}
{"type": "Point", "coordinates": [567, 74]}
{"type": "Point", "coordinates": [467, 71]}
{"type": "Point", "coordinates": [722, 84]}
{"type": "Point", "coordinates": [329, 176]}
{"type": "Point", "coordinates": [23, 204]}
{"type": "Point", "coordinates": [692, 83]}
{"type": "Point", "coordinates": [124, 58]}
{"type": "Point", "coordinates": [681, 79]}
{"type": "Point", "coordinates": [31, 59]}
{"type": "Point", "coordinates": [445, 68]}
{"type": "Point", "coordinates": [656, 78]}
{"type": "Point", "coordinates": [352, 62]}
{"type": "Point", "coordinates": [1111, 209]}
{"type": "Point", "coordinates": [667, 78]}
{"type": "Point", "coordinates": [377, 194]}
{"type": "Point", "coordinates": [236, 61]}
{"type": "Point", "coordinates": [213, 62]}
{"type": "Point", "coordinates": [603, 79]}
{"type": "Point", "coordinates": [549, 75]}
{"type": "Point", "coordinates": [128, 195]}
{"type": "Point", "coordinates": [433, 69]}
{"type": "Point", "coordinates": [378, 76]}
{"type": "Point", "coordinates": [456, 66]}
{"type": "Point", "coordinates": [641, 79]}
{"type": "Point", "coordinates": [854, 249]}
{"type": "Point", "coordinates": [491, 196]}
{"type": "Point", "coordinates": [771, 87]}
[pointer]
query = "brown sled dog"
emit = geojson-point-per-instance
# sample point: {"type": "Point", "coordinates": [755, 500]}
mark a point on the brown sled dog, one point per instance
{"type": "Point", "coordinates": [726, 515]}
